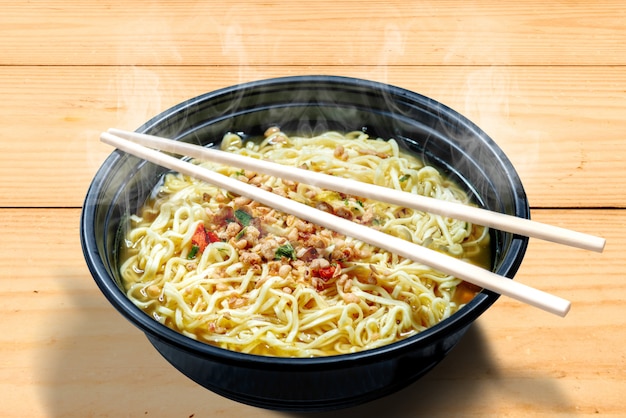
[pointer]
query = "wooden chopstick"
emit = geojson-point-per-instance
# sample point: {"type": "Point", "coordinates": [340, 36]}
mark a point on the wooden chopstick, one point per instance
{"type": "Point", "coordinates": [479, 216]}
{"type": "Point", "coordinates": [439, 261]}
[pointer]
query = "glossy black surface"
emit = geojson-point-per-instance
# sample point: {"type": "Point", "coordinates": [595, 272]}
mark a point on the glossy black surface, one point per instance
{"type": "Point", "coordinates": [306, 105]}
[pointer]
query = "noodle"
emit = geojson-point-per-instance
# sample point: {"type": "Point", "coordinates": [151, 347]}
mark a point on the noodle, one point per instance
{"type": "Point", "coordinates": [233, 273]}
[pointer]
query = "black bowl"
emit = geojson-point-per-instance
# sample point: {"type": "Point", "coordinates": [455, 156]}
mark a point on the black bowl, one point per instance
{"type": "Point", "coordinates": [307, 105]}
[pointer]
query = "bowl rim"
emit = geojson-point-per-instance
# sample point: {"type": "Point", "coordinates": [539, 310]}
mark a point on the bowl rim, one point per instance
{"type": "Point", "coordinates": [457, 321]}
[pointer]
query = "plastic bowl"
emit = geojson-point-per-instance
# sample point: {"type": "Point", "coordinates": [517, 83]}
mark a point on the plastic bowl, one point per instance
{"type": "Point", "coordinates": [307, 105]}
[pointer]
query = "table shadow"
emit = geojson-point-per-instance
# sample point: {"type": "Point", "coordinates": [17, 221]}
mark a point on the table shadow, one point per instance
{"type": "Point", "coordinates": [98, 364]}
{"type": "Point", "coordinates": [88, 371]}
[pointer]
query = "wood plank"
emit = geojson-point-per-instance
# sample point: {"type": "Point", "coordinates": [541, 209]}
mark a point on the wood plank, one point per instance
{"type": "Point", "coordinates": [64, 351]}
{"type": "Point", "coordinates": [562, 127]}
{"type": "Point", "coordinates": [291, 32]}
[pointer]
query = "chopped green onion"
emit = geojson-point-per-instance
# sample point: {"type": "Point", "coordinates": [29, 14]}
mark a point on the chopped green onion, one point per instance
{"type": "Point", "coordinates": [286, 251]}
{"type": "Point", "coordinates": [193, 252]}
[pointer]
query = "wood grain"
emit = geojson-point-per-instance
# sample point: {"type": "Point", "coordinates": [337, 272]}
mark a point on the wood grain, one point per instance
{"type": "Point", "coordinates": [545, 80]}
{"type": "Point", "coordinates": [293, 32]}
{"type": "Point", "coordinates": [563, 129]}
{"type": "Point", "coordinates": [63, 347]}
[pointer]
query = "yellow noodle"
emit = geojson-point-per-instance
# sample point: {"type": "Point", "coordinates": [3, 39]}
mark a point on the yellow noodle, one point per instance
{"type": "Point", "coordinates": [272, 284]}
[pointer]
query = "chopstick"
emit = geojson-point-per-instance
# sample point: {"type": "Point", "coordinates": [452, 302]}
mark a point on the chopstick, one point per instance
{"type": "Point", "coordinates": [500, 221]}
{"type": "Point", "coordinates": [439, 261]}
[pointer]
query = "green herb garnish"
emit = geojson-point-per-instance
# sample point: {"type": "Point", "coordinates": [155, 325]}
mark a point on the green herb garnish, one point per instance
{"type": "Point", "coordinates": [286, 251]}
{"type": "Point", "coordinates": [193, 252]}
{"type": "Point", "coordinates": [243, 217]}
{"type": "Point", "coordinates": [240, 234]}
{"type": "Point", "coordinates": [405, 177]}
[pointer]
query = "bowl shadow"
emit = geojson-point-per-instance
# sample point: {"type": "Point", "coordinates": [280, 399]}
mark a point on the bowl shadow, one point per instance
{"type": "Point", "coordinates": [464, 381]}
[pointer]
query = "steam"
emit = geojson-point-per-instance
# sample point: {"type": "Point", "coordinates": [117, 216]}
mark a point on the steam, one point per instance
{"type": "Point", "coordinates": [487, 96]}
{"type": "Point", "coordinates": [140, 95]}
{"type": "Point", "coordinates": [131, 96]}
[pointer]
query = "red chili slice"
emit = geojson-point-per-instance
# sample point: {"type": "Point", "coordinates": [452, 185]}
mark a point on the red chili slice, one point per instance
{"type": "Point", "coordinates": [200, 238]}
{"type": "Point", "coordinates": [326, 273]}
{"type": "Point", "coordinates": [212, 236]}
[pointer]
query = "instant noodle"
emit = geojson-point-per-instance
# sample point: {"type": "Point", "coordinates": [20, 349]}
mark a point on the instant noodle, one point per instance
{"type": "Point", "coordinates": [228, 271]}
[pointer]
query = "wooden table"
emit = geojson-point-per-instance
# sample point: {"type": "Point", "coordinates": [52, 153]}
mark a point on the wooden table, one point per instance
{"type": "Point", "coordinates": [546, 81]}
